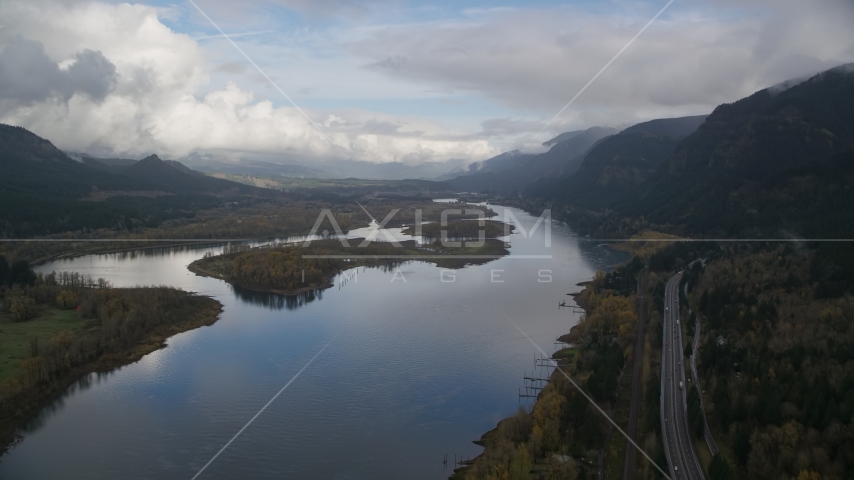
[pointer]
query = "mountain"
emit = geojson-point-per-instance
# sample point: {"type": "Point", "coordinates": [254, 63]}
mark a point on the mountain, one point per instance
{"type": "Point", "coordinates": [675, 127]}
{"type": "Point", "coordinates": [563, 158]}
{"type": "Point", "coordinates": [44, 191]}
{"type": "Point", "coordinates": [613, 169]}
{"type": "Point", "coordinates": [255, 168]}
{"type": "Point", "coordinates": [386, 171]}
{"type": "Point", "coordinates": [170, 175]}
{"type": "Point", "coordinates": [779, 162]}
{"type": "Point", "coordinates": [33, 166]}
{"type": "Point", "coordinates": [562, 137]}
{"type": "Point", "coordinates": [182, 179]}
{"type": "Point", "coordinates": [617, 165]}
{"type": "Point", "coordinates": [513, 158]}
{"type": "Point", "coordinates": [727, 175]}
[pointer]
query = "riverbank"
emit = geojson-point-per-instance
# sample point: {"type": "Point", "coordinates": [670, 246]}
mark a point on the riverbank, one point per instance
{"type": "Point", "coordinates": [563, 435]}
{"type": "Point", "coordinates": [46, 354]}
{"type": "Point", "coordinates": [293, 269]}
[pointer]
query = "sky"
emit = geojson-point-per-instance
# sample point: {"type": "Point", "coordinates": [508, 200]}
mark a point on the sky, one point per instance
{"type": "Point", "coordinates": [388, 80]}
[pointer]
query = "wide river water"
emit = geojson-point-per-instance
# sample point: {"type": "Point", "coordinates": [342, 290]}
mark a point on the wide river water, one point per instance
{"type": "Point", "coordinates": [417, 368]}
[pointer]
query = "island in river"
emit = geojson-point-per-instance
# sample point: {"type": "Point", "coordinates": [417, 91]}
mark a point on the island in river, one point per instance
{"type": "Point", "coordinates": [294, 268]}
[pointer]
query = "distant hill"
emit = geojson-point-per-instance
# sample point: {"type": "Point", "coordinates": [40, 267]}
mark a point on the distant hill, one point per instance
{"type": "Point", "coordinates": [777, 163]}
{"type": "Point", "coordinates": [563, 158]}
{"type": "Point", "coordinates": [612, 170]}
{"type": "Point", "coordinates": [718, 177]}
{"type": "Point", "coordinates": [257, 168]}
{"type": "Point", "coordinates": [43, 190]}
{"type": "Point", "coordinates": [32, 166]}
{"type": "Point", "coordinates": [675, 127]}
{"type": "Point", "coordinates": [562, 137]}
{"type": "Point", "coordinates": [513, 158]}
{"type": "Point", "coordinates": [617, 165]}
{"type": "Point", "coordinates": [170, 175]}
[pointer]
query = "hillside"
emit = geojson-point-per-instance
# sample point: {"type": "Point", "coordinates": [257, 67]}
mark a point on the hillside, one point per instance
{"type": "Point", "coordinates": [611, 171]}
{"type": "Point", "coordinates": [617, 166]}
{"type": "Point", "coordinates": [44, 191]}
{"type": "Point", "coordinates": [675, 127]}
{"type": "Point", "coordinates": [776, 360]}
{"type": "Point", "coordinates": [738, 172]}
{"type": "Point", "coordinates": [563, 158]}
{"type": "Point", "coordinates": [776, 163]}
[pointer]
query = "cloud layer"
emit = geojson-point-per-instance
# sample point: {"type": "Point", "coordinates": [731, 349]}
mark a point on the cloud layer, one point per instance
{"type": "Point", "coordinates": [123, 79]}
{"type": "Point", "coordinates": [687, 62]}
{"type": "Point", "coordinates": [132, 86]}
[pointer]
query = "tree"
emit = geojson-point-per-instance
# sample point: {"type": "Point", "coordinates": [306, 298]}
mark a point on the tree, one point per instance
{"type": "Point", "coordinates": [719, 469]}
{"type": "Point", "coordinates": [66, 299]}
{"type": "Point", "coordinates": [695, 412]}
{"type": "Point", "coordinates": [562, 467]}
{"type": "Point", "coordinates": [22, 308]}
{"type": "Point", "coordinates": [21, 274]}
{"type": "Point", "coordinates": [547, 413]}
{"type": "Point", "coordinates": [4, 270]}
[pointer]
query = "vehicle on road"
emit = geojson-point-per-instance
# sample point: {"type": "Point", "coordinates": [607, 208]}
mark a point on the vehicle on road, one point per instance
{"type": "Point", "coordinates": [680, 385]}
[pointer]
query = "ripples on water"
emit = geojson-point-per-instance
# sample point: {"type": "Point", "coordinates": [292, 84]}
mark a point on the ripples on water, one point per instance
{"type": "Point", "coordinates": [417, 369]}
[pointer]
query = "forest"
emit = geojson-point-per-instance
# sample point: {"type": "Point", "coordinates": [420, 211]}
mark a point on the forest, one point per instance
{"type": "Point", "coordinates": [58, 327]}
{"type": "Point", "coordinates": [463, 229]}
{"type": "Point", "coordinates": [777, 362]}
{"type": "Point", "coordinates": [285, 269]}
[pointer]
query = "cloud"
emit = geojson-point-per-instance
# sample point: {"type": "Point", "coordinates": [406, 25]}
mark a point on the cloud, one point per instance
{"type": "Point", "coordinates": [690, 60]}
{"type": "Point", "coordinates": [132, 86]}
{"type": "Point", "coordinates": [112, 78]}
{"type": "Point", "coordinates": [508, 126]}
{"type": "Point", "coordinates": [28, 75]}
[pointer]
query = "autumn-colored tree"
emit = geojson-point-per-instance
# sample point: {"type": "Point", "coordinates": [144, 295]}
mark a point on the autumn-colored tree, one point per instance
{"type": "Point", "coordinates": [66, 299]}
{"type": "Point", "coordinates": [22, 308]}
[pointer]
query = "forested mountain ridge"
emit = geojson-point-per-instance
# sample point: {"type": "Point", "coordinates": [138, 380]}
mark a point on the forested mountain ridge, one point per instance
{"type": "Point", "coordinates": [32, 165]}
{"type": "Point", "coordinates": [776, 163]}
{"type": "Point", "coordinates": [770, 131]}
{"type": "Point", "coordinates": [563, 158]}
{"type": "Point", "coordinates": [611, 170]}
{"type": "Point", "coordinates": [727, 176]}
{"type": "Point", "coordinates": [776, 361]}
{"type": "Point", "coordinates": [676, 127]}
{"type": "Point", "coordinates": [44, 191]}
{"type": "Point", "coordinates": [616, 166]}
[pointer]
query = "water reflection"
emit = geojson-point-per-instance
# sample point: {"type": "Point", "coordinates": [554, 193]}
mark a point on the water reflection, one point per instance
{"type": "Point", "coordinates": [420, 367]}
{"type": "Point", "coordinates": [86, 382]}
{"type": "Point", "coordinates": [276, 301]}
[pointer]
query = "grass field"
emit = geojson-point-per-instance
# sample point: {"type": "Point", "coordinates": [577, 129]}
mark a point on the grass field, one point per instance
{"type": "Point", "coordinates": [15, 337]}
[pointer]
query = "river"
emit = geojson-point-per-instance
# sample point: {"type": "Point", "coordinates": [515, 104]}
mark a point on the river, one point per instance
{"type": "Point", "coordinates": [417, 368]}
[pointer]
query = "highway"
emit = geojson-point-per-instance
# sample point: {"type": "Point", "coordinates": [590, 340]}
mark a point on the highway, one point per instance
{"type": "Point", "coordinates": [678, 442]}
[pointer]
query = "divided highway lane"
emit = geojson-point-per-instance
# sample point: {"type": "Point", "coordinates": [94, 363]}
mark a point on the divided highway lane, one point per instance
{"type": "Point", "coordinates": [678, 443]}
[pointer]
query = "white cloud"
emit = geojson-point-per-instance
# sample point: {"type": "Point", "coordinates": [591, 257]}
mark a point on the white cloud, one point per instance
{"type": "Point", "coordinates": [501, 73]}
{"type": "Point", "coordinates": [157, 104]}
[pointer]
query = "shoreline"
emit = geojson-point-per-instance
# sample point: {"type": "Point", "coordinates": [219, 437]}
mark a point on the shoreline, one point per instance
{"type": "Point", "coordinates": [198, 270]}
{"type": "Point", "coordinates": [24, 406]}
